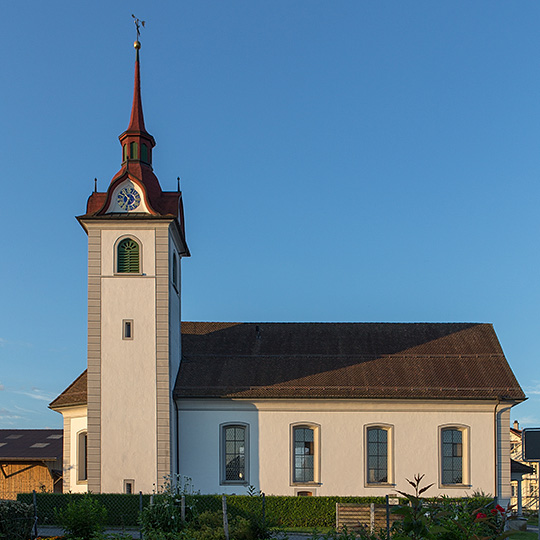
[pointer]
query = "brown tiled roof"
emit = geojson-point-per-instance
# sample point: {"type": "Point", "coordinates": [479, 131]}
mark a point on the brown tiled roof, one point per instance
{"type": "Point", "coordinates": [74, 394]}
{"type": "Point", "coordinates": [344, 360]}
{"type": "Point", "coordinates": [30, 444]}
{"type": "Point", "coordinates": [337, 360]}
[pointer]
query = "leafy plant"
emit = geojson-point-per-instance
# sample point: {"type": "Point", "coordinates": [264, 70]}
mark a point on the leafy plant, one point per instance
{"type": "Point", "coordinates": [83, 518]}
{"type": "Point", "coordinates": [472, 518]}
{"type": "Point", "coordinates": [416, 515]}
{"type": "Point", "coordinates": [16, 520]}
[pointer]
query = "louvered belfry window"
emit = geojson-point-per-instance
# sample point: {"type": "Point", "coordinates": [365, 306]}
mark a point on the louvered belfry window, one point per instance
{"type": "Point", "coordinates": [128, 257]}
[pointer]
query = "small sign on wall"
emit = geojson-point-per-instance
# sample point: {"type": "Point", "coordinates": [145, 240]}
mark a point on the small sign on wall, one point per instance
{"type": "Point", "coordinates": [531, 444]}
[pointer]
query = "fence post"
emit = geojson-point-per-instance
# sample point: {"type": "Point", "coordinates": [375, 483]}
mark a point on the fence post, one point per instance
{"type": "Point", "coordinates": [34, 500]}
{"type": "Point", "coordinates": [183, 507]}
{"type": "Point", "coordinates": [140, 512]}
{"type": "Point", "coordinates": [387, 518]}
{"type": "Point", "coordinates": [225, 520]}
{"type": "Point", "coordinates": [372, 517]}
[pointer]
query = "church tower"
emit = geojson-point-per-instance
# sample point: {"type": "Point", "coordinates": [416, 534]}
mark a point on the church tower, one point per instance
{"type": "Point", "coordinates": [136, 239]}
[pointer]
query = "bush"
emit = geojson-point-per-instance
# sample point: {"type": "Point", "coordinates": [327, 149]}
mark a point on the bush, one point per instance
{"type": "Point", "coordinates": [16, 520]}
{"type": "Point", "coordinates": [164, 515]}
{"type": "Point", "coordinates": [83, 518]}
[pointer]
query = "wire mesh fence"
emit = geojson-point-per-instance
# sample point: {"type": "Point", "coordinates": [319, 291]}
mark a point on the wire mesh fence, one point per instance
{"type": "Point", "coordinates": [124, 511]}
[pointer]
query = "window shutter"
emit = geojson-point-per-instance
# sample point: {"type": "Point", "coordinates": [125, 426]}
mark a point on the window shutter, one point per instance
{"type": "Point", "coordinates": [128, 257]}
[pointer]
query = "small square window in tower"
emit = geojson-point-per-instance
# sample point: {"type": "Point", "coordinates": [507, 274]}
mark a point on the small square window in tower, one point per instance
{"type": "Point", "coordinates": [127, 329]}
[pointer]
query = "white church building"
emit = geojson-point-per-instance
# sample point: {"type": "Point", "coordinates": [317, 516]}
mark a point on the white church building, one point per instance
{"type": "Point", "coordinates": [288, 408]}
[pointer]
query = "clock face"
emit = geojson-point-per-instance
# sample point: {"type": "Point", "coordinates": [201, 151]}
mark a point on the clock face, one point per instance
{"type": "Point", "coordinates": [128, 198]}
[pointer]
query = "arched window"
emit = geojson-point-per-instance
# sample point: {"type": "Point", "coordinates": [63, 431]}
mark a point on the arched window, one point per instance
{"type": "Point", "coordinates": [452, 456]}
{"type": "Point", "coordinates": [144, 153]}
{"type": "Point", "coordinates": [127, 260]}
{"type": "Point", "coordinates": [133, 150]}
{"type": "Point", "coordinates": [305, 446]}
{"type": "Point", "coordinates": [377, 455]}
{"type": "Point", "coordinates": [82, 444]}
{"type": "Point", "coordinates": [234, 454]}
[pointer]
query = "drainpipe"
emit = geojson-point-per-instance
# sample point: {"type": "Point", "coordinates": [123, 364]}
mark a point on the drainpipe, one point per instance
{"type": "Point", "coordinates": [510, 403]}
{"type": "Point", "coordinates": [495, 440]}
{"type": "Point", "coordinates": [177, 446]}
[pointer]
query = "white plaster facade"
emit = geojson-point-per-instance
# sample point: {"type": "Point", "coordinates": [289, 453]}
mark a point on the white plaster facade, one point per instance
{"type": "Point", "coordinates": [75, 422]}
{"type": "Point", "coordinates": [414, 446]}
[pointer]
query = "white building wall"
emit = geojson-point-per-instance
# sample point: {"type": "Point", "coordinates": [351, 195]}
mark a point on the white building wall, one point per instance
{"type": "Point", "coordinates": [416, 426]}
{"type": "Point", "coordinates": [75, 422]}
{"type": "Point", "coordinates": [174, 338]}
{"type": "Point", "coordinates": [128, 368]}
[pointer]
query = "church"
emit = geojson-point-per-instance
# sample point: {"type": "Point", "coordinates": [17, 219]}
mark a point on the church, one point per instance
{"type": "Point", "coordinates": [285, 408]}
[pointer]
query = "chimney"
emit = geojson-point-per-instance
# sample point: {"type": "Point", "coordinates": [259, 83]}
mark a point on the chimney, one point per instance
{"type": "Point", "coordinates": [516, 424]}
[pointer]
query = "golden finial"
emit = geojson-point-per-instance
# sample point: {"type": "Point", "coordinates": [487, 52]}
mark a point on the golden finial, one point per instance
{"type": "Point", "coordinates": [138, 24]}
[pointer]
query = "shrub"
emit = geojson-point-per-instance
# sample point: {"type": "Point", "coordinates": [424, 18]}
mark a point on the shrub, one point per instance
{"type": "Point", "coordinates": [83, 518]}
{"type": "Point", "coordinates": [16, 520]}
{"type": "Point", "coordinates": [164, 515]}
{"type": "Point", "coordinates": [474, 518]}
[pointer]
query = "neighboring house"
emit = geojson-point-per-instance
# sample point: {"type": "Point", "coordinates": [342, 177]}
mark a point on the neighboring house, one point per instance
{"type": "Point", "coordinates": [289, 408]}
{"type": "Point", "coordinates": [30, 459]}
{"type": "Point", "coordinates": [529, 473]}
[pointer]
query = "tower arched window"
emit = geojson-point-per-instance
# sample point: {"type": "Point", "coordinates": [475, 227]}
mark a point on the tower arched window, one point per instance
{"type": "Point", "coordinates": [144, 153]}
{"type": "Point", "coordinates": [133, 150]}
{"type": "Point", "coordinates": [128, 257]}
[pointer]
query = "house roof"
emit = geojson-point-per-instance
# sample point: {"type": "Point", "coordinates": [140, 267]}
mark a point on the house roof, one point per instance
{"type": "Point", "coordinates": [31, 444]}
{"type": "Point", "coordinates": [74, 394]}
{"type": "Point", "coordinates": [337, 360]}
{"type": "Point", "coordinates": [344, 360]}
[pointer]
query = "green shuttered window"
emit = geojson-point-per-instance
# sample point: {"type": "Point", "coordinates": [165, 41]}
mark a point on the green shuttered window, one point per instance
{"type": "Point", "coordinates": [128, 257]}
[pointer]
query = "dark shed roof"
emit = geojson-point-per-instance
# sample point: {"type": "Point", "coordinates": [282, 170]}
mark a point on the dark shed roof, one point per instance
{"type": "Point", "coordinates": [31, 444]}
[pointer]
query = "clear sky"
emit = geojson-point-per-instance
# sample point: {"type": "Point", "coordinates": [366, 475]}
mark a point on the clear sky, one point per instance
{"type": "Point", "coordinates": [347, 160]}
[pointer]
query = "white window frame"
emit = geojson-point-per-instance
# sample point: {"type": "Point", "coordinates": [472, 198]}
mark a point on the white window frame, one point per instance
{"type": "Point", "coordinates": [316, 454]}
{"type": "Point", "coordinates": [465, 456]}
{"type": "Point", "coordinates": [389, 428]}
{"type": "Point", "coordinates": [222, 463]}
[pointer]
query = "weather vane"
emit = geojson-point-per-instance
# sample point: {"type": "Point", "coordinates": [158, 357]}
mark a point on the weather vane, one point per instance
{"type": "Point", "coordinates": [138, 24]}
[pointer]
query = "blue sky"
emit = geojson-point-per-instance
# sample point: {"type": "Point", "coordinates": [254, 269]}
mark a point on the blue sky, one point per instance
{"type": "Point", "coordinates": [340, 161]}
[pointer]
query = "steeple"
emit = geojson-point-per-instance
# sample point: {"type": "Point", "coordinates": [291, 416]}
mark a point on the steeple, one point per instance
{"type": "Point", "coordinates": [136, 142]}
{"type": "Point", "coordinates": [136, 173]}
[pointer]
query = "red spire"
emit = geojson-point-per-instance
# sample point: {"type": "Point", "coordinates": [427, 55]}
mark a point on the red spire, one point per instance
{"type": "Point", "coordinates": [136, 122]}
{"type": "Point", "coordinates": [136, 142]}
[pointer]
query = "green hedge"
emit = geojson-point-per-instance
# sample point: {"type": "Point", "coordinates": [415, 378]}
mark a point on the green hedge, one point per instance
{"type": "Point", "coordinates": [123, 509]}
{"type": "Point", "coordinates": [309, 511]}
